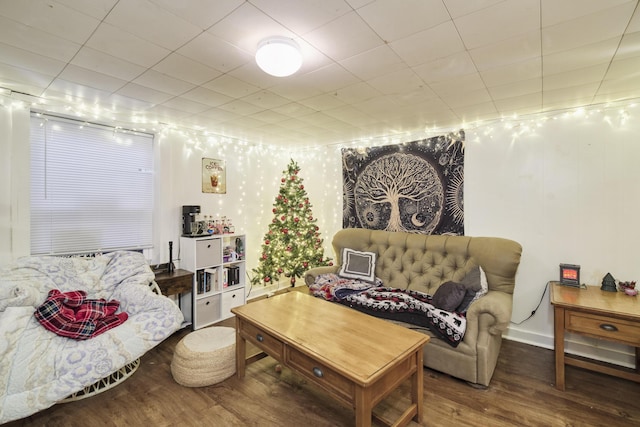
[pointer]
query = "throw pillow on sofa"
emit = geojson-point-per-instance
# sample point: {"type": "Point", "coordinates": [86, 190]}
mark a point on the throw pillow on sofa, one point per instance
{"type": "Point", "coordinates": [473, 284]}
{"type": "Point", "coordinates": [449, 296]}
{"type": "Point", "coordinates": [358, 265]}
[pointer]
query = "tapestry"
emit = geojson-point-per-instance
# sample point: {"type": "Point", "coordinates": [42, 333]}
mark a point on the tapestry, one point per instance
{"type": "Point", "coordinates": [415, 187]}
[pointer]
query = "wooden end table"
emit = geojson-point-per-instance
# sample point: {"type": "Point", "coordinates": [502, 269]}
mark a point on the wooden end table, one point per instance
{"type": "Point", "coordinates": [589, 311]}
{"type": "Point", "coordinates": [358, 359]}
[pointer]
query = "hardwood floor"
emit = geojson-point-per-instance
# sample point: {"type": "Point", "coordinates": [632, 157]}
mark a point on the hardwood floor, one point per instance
{"type": "Point", "coordinates": [522, 393]}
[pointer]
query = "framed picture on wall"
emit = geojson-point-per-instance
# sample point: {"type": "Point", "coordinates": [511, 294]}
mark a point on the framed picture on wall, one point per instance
{"type": "Point", "coordinates": [214, 176]}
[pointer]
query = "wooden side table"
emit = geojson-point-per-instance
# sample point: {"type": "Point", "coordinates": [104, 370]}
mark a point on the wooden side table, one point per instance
{"type": "Point", "coordinates": [612, 316]}
{"type": "Point", "coordinates": [177, 282]}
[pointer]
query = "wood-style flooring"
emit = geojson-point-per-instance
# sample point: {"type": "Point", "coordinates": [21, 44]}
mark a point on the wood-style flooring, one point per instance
{"type": "Point", "coordinates": [522, 393]}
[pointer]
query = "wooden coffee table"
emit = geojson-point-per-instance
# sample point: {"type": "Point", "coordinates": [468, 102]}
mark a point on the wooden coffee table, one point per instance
{"type": "Point", "coordinates": [358, 359]}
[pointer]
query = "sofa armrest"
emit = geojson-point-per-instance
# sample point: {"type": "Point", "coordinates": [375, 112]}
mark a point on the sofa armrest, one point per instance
{"type": "Point", "coordinates": [311, 274]}
{"type": "Point", "coordinates": [496, 304]}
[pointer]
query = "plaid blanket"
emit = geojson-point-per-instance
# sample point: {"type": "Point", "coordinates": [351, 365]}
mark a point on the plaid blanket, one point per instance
{"type": "Point", "coordinates": [72, 315]}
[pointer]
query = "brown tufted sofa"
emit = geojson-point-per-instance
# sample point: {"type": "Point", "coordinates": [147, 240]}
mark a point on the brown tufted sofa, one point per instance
{"type": "Point", "coordinates": [423, 262]}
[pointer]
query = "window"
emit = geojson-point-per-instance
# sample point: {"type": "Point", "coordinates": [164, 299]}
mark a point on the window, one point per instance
{"type": "Point", "coordinates": [91, 187]}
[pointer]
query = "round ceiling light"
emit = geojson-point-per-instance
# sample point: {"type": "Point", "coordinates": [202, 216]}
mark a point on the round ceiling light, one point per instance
{"type": "Point", "coordinates": [279, 56]}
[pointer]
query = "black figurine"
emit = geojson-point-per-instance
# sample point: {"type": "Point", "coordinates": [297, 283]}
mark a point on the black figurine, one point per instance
{"type": "Point", "coordinates": [609, 283]}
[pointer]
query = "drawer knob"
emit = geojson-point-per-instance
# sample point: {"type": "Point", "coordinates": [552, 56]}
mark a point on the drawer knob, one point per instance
{"type": "Point", "coordinates": [259, 337]}
{"type": "Point", "coordinates": [318, 372]}
{"type": "Point", "coordinates": [608, 327]}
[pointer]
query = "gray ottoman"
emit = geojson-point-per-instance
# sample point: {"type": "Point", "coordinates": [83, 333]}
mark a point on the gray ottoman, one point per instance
{"type": "Point", "coordinates": [205, 357]}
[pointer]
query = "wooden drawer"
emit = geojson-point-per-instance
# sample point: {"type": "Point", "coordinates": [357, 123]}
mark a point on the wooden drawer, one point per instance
{"type": "Point", "coordinates": [265, 342]}
{"type": "Point", "coordinates": [603, 327]}
{"type": "Point", "coordinates": [325, 377]}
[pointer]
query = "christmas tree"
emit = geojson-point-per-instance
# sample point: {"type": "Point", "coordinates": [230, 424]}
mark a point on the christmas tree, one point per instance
{"type": "Point", "coordinates": [293, 244]}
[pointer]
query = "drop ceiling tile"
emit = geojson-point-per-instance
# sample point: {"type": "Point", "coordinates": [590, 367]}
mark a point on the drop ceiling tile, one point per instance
{"type": "Point", "coordinates": [215, 114]}
{"type": "Point", "coordinates": [392, 22]}
{"type": "Point", "coordinates": [36, 41]}
{"type": "Point", "coordinates": [231, 86]}
{"type": "Point", "coordinates": [459, 8]}
{"type": "Point", "coordinates": [593, 74]}
{"type": "Point", "coordinates": [202, 13]}
{"type": "Point", "coordinates": [498, 22]}
{"type": "Point", "coordinates": [164, 113]}
{"type": "Point", "coordinates": [555, 12]}
{"type": "Point", "coordinates": [292, 124]}
{"type": "Point", "coordinates": [303, 17]}
{"type": "Point", "coordinates": [215, 52]}
{"type": "Point", "coordinates": [186, 69]}
{"type": "Point", "coordinates": [629, 47]}
{"type": "Point", "coordinates": [146, 20]}
{"type": "Point", "coordinates": [117, 101]}
{"type": "Point", "coordinates": [357, 92]}
{"type": "Point", "coordinates": [52, 18]}
{"type": "Point", "coordinates": [91, 78]}
{"type": "Point", "coordinates": [85, 93]}
{"type": "Point", "coordinates": [437, 42]}
{"type": "Point", "coordinates": [96, 9]}
{"type": "Point", "coordinates": [624, 68]}
{"type": "Point", "coordinates": [571, 34]}
{"type": "Point", "coordinates": [162, 82]}
{"type": "Point", "coordinates": [373, 63]}
{"type": "Point", "coordinates": [296, 88]}
{"type": "Point", "coordinates": [569, 94]}
{"type": "Point", "coordinates": [268, 116]}
{"type": "Point", "coordinates": [378, 107]}
{"type": "Point", "coordinates": [617, 89]}
{"type": "Point", "coordinates": [476, 112]}
{"type": "Point", "coordinates": [206, 96]}
{"type": "Point", "coordinates": [354, 34]}
{"type": "Point", "coordinates": [330, 78]}
{"type": "Point", "coordinates": [25, 77]}
{"type": "Point", "coordinates": [517, 88]}
{"type": "Point", "coordinates": [515, 49]}
{"type": "Point", "coordinates": [187, 105]}
{"type": "Point", "coordinates": [458, 84]}
{"type": "Point", "coordinates": [440, 69]}
{"type": "Point", "coordinates": [466, 97]}
{"type": "Point", "coordinates": [397, 82]}
{"type": "Point", "coordinates": [20, 58]}
{"type": "Point", "coordinates": [266, 99]}
{"type": "Point", "coordinates": [634, 24]}
{"type": "Point", "coordinates": [414, 97]}
{"type": "Point", "coordinates": [523, 70]}
{"type": "Point", "coordinates": [240, 107]}
{"type": "Point", "coordinates": [352, 115]}
{"type": "Point", "coordinates": [246, 26]}
{"type": "Point", "coordinates": [121, 44]}
{"type": "Point", "coordinates": [580, 57]}
{"type": "Point", "coordinates": [294, 109]}
{"type": "Point", "coordinates": [519, 104]}
{"type": "Point", "coordinates": [104, 63]}
{"type": "Point", "coordinates": [322, 102]}
{"type": "Point", "coordinates": [144, 93]}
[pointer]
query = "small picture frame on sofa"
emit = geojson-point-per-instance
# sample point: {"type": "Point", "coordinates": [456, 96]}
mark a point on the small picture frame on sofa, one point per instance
{"type": "Point", "coordinates": [570, 275]}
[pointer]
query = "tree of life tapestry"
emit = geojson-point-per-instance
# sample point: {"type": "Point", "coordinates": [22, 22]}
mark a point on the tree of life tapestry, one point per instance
{"type": "Point", "coordinates": [416, 187]}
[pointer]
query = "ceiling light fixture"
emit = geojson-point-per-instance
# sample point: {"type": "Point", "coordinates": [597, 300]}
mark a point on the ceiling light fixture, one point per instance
{"type": "Point", "coordinates": [279, 56]}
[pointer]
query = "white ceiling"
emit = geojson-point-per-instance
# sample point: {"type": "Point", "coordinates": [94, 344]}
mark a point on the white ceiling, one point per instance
{"type": "Point", "coordinates": [371, 67]}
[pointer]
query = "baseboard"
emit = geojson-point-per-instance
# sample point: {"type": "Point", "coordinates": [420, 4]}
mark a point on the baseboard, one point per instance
{"type": "Point", "coordinates": [578, 345]}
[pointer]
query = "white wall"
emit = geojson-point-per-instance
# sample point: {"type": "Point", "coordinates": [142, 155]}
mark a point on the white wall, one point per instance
{"type": "Point", "coordinates": [563, 185]}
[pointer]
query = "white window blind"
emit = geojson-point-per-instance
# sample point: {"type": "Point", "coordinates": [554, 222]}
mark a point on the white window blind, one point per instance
{"type": "Point", "coordinates": [91, 187]}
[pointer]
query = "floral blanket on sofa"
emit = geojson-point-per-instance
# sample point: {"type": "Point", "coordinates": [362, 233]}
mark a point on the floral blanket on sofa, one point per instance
{"type": "Point", "coordinates": [402, 305]}
{"type": "Point", "coordinates": [40, 368]}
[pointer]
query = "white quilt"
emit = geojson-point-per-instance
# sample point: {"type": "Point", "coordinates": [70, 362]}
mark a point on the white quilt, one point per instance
{"type": "Point", "coordinates": [39, 368]}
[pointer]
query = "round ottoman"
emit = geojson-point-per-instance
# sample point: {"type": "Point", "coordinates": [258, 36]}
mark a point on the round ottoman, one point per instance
{"type": "Point", "coordinates": [205, 357]}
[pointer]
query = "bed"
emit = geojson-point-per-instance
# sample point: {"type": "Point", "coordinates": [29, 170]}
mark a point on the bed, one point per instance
{"type": "Point", "coordinates": [39, 367]}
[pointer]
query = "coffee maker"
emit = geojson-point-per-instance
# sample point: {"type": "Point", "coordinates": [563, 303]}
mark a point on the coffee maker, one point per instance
{"type": "Point", "coordinates": [189, 228]}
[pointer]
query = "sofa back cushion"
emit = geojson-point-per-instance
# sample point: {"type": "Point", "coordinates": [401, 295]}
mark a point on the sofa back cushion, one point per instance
{"type": "Point", "coordinates": [423, 262]}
